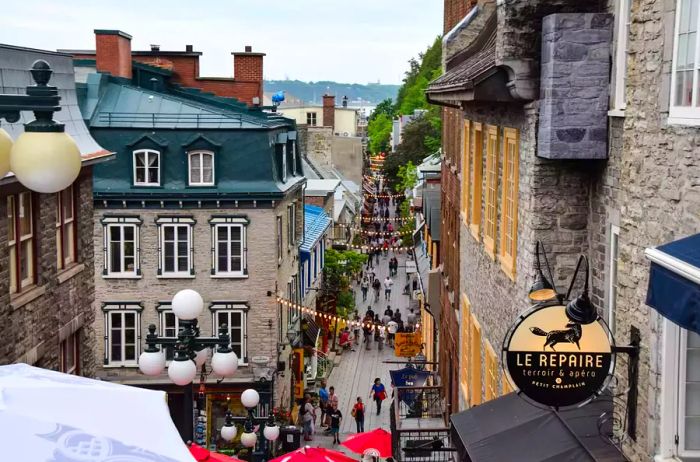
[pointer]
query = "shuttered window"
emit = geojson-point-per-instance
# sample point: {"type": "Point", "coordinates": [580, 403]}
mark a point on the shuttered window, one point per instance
{"type": "Point", "coordinates": [509, 202]}
{"type": "Point", "coordinates": [491, 205]}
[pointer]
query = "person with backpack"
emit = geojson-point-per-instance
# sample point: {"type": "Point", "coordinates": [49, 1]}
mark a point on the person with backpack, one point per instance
{"type": "Point", "coordinates": [358, 412]}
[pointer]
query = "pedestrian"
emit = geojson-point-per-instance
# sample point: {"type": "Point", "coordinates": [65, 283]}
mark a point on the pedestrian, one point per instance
{"type": "Point", "coordinates": [358, 412]}
{"type": "Point", "coordinates": [389, 312]}
{"type": "Point", "coordinates": [365, 287]}
{"type": "Point", "coordinates": [386, 214]}
{"type": "Point", "coordinates": [378, 393]}
{"type": "Point", "coordinates": [392, 327]}
{"type": "Point", "coordinates": [370, 264]}
{"type": "Point", "coordinates": [386, 248]}
{"type": "Point", "coordinates": [332, 398]}
{"type": "Point", "coordinates": [411, 320]}
{"type": "Point", "coordinates": [356, 329]}
{"type": "Point", "coordinates": [387, 288]}
{"type": "Point", "coordinates": [367, 331]}
{"type": "Point", "coordinates": [336, 418]}
{"type": "Point", "coordinates": [308, 418]}
{"type": "Point", "coordinates": [373, 276]}
{"type": "Point", "coordinates": [376, 285]}
{"type": "Point", "coordinates": [323, 400]}
{"type": "Point", "coordinates": [370, 313]}
{"type": "Point", "coordinates": [376, 256]}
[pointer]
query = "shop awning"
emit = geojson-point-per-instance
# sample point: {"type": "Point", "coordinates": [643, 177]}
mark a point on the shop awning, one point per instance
{"type": "Point", "coordinates": [509, 428]}
{"type": "Point", "coordinates": [674, 281]}
{"type": "Point", "coordinates": [310, 331]}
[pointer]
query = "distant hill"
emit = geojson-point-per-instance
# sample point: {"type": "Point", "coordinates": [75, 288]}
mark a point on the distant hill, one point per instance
{"type": "Point", "coordinates": [312, 92]}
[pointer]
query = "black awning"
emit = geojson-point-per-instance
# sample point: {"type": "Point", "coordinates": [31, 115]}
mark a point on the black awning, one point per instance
{"type": "Point", "coordinates": [509, 428]}
{"type": "Point", "coordinates": [310, 331]}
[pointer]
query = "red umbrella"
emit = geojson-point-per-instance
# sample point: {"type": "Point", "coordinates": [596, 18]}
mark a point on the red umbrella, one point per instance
{"type": "Point", "coordinates": [309, 454]}
{"type": "Point", "coordinates": [201, 454]}
{"type": "Point", "coordinates": [376, 443]}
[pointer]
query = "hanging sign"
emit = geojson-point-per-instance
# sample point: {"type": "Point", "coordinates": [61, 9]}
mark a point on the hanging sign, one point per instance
{"type": "Point", "coordinates": [298, 371]}
{"type": "Point", "coordinates": [407, 344]}
{"type": "Point", "coordinates": [409, 377]}
{"type": "Point", "coordinates": [555, 361]}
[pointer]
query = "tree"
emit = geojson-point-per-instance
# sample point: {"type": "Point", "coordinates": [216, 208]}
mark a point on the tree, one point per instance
{"type": "Point", "coordinates": [417, 143]}
{"type": "Point", "coordinates": [379, 132]}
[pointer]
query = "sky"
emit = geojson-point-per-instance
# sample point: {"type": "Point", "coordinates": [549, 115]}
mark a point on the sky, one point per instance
{"type": "Point", "coordinates": [349, 41]}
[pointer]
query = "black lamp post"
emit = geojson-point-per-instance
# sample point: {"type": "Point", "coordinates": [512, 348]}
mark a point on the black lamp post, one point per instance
{"type": "Point", "coordinates": [44, 158]}
{"type": "Point", "coordinates": [249, 439]}
{"type": "Point", "coordinates": [191, 353]}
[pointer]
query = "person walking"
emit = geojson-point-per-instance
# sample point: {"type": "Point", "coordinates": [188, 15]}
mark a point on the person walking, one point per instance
{"type": "Point", "coordinates": [392, 327]}
{"type": "Point", "coordinates": [308, 418]}
{"type": "Point", "coordinates": [378, 393]}
{"type": "Point", "coordinates": [364, 285]}
{"type": "Point", "coordinates": [411, 320]}
{"type": "Point", "coordinates": [358, 412]}
{"type": "Point", "coordinates": [356, 329]}
{"type": "Point", "coordinates": [387, 288]}
{"type": "Point", "coordinates": [336, 418]}
{"type": "Point", "coordinates": [323, 400]}
{"type": "Point", "coordinates": [376, 285]}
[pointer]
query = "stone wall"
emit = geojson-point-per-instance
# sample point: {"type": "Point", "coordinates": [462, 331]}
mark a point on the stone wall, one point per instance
{"type": "Point", "coordinates": [316, 144]}
{"type": "Point", "coordinates": [346, 155]}
{"type": "Point", "coordinates": [35, 321]}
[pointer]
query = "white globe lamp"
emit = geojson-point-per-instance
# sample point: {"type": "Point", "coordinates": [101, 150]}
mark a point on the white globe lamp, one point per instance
{"type": "Point", "coordinates": [201, 357]}
{"type": "Point", "coordinates": [182, 372]}
{"type": "Point", "coordinates": [224, 364]}
{"type": "Point", "coordinates": [271, 432]}
{"type": "Point", "coordinates": [250, 398]}
{"type": "Point", "coordinates": [187, 304]}
{"type": "Point", "coordinates": [249, 439]}
{"type": "Point", "coordinates": [45, 162]}
{"type": "Point", "coordinates": [151, 362]}
{"type": "Point", "coordinates": [228, 433]}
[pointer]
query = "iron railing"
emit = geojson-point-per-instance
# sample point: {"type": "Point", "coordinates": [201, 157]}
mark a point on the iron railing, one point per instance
{"type": "Point", "coordinates": [420, 403]}
{"type": "Point", "coordinates": [156, 120]}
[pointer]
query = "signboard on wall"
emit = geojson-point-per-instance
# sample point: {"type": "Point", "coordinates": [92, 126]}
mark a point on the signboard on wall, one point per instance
{"type": "Point", "coordinates": [407, 345]}
{"type": "Point", "coordinates": [298, 371]}
{"type": "Point", "coordinates": [555, 361]}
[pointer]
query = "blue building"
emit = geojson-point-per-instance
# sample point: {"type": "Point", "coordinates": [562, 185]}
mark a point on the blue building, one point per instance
{"type": "Point", "coordinates": [311, 252]}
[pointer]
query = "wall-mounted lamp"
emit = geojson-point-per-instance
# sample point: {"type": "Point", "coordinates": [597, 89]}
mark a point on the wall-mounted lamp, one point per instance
{"type": "Point", "coordinates": [542, 289]}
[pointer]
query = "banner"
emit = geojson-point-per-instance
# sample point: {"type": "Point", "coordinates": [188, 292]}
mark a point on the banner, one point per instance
{"type": "Point", "coordinates": [407, 344]}
{"type": "Point", "coordinates": [409, 377]}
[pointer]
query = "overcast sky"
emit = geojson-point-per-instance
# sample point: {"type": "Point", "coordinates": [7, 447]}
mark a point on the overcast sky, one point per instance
{"type": "Point", "coordinates": [350, 41]}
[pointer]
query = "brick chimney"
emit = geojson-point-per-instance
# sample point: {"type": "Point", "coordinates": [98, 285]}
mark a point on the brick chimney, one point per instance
{"type": "Point", "coordinates": [329, 111]}
{"type": "Point", "coordinates": [113, 52]}
{"type": "Point", "coordinates": [248, 67]}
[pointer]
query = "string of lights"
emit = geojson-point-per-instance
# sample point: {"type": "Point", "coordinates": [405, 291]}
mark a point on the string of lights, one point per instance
{"type": "Point", "coordinates": [382, 220]}
{"type": "Point", "coordinates": [378, 247]}
{"type": "Point", "coordinates": [385, 196]}
{"type": "Point", "coordinates": [381, 233]}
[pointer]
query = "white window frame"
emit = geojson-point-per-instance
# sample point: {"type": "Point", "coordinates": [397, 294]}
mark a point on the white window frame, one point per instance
{"type": "Point", "coordinates": [122, 222]}
{"type": "Point", "coordinates": [229, 308]}
{"type": "Point", "coordinates": [618, 101]}
{"type": "Point", "coordinates": [201, 153]}
{"type": "Point", "coordinates": [613, 257]}
{"type": "Point", "coordinates": [284, 162]}
{"type": "Point", "coordinates": [684, 115]}
{"type": "Point", "coordinates": [163, 223]}
{"type": "Point", "coordinates": [312, 118]}
{"type": "Point", "coordinates": [66, 255]}
{"type": "Point", "coordinates": [121, 309]}
{"type": "Point", "coordinates": [291, 225]}
{"type": "Point", "coordinates": [229, 222]}
{"type": "Point", "coordinates": [164, 309]}
{"type": "Point", "coordinates": [294, 158]}
{"type": "Point", "coordinates": [147, 154]}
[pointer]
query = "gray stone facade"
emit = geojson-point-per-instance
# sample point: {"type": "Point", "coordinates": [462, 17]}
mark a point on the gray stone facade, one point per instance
{"type": "Point", "coordinates": [59, 304]}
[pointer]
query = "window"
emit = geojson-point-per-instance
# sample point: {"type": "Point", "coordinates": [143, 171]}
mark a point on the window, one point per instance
{"type": "Point", "coordinates": [65, 227]}
{"type": "Point", "coordinates": [20, 240]}
{"type": "Point", "coordinates": [475, 361]}
{"type": "Point", "coordinates": [689, 395]}
{"type": "Point", "coordinates": [146, 168]}
{"type": "Point", "coordinates": [491, 373]}
{"type": "Point", "coordinates": [476, 180]}
{"type": "Point", "coordinates": [464, 346]}
{"type": "Point", "coordinates": [684, 76]}
{"type": "Point", "coordinates": [121, 247]}
{"type": "Point", "coordinates": [123, 334]}
{"type": "Point", "coordinates": [229, 247]}
{"type": "Point", "coordinates": [311, 119]}
{"type": "Point", "coordinates": [622, 30]}
{"type": "Point", "coordinates": [509, 202]}
{"type": "Point", "coordinates": [284, 163]}
{"type": "Point", "coordinates": [294, 158]}
{"type": "Point", "coordinates": [175, 249]}
{"type": "Point", "coordinates": [465, 171]}
{"type": "Point", "coordinates": [201, 168]}
{"type": "Point", "coordinates": [291, 225]}
{"type": "Point", "coordinates": [491, 207]}
{"type": "Point", "coordinates": [612, 276]}
{"type": "Point", "coordinates": [69, 354]}
{"type": "Point", "coordinates": [280, 243]}
{"type": "Point", "coordinates": [169, 328]}
{"type": "Point", "coordinates": [234, 316]}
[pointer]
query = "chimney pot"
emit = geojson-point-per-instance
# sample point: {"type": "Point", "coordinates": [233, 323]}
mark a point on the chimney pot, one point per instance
{"type": "Point", "coordinates": [155, 47]}
{"type": "Point", "coordinates": [248, 49]}
{"type": "Point", "coordinates": [189, 48]}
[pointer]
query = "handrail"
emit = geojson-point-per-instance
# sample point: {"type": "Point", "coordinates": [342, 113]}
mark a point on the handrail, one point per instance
{"type": "Point", "coordinates": [152, 119]}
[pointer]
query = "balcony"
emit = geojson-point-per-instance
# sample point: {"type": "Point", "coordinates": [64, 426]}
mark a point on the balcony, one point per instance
{"type": "Point", "coordinates": [418, 425]}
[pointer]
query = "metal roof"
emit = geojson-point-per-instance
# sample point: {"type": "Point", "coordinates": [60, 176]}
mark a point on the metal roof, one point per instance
{"type": "Point", "coordinates": [321, 187]}
{"type": "Point", "coordinates": [316, 222]}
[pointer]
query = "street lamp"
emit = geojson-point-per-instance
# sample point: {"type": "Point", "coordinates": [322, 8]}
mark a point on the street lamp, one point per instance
{"type": "Point", "coordinates": [44, 158]}
{"type": "Point", "coordinates": [250, 399]}
{"type": "Point", "coordinates": [191, 352]}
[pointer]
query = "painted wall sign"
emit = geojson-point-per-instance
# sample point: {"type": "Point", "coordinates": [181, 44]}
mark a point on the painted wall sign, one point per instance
{"type": "Point", "coordinates": [557, 362]}
{"type": "Point", "coordinates": [407, 344]}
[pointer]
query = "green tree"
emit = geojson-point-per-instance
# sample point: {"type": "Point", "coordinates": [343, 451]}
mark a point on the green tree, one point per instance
{"type": "Point", "coordinates": [379, 132]}
{"type": "Point", "coordinates": [417, 143]}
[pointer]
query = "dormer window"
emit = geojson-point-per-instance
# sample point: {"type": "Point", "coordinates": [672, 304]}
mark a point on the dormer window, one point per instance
{"type": "Point", "coordinates": [146, 167]}
{"type": "Point", "coordinates": [201, 168]}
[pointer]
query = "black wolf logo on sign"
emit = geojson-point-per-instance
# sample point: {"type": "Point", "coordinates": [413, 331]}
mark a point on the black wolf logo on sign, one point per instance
{"type": "Point", "coordinates": [571, 335]}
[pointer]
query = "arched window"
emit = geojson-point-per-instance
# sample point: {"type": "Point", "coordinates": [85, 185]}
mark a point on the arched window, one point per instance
{"type": "Point", "coordinates": [201, 168]}
{"type": "Point", "coordinates": [146, 167]}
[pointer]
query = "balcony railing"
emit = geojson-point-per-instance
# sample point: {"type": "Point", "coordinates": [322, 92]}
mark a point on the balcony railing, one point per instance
{"type": "Point", "coordinates": [418, 425]}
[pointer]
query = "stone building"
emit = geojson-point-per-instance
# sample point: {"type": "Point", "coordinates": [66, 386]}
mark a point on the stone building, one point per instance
{"type": "Point", "coordinates": [46, 267]}
{"type": "Point", "coordinates": [205, 193]}
{"type": "Point", "coordinates": [585, 142]}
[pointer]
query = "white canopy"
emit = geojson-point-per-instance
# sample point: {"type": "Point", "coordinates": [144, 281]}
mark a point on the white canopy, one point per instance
{"type": "Point", "coordinates": [51, 416]}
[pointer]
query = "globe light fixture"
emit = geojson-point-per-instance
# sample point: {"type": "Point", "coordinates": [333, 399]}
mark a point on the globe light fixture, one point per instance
{"type": "Point", "coordinates": [271, 431]}
{"type": "Point", "coordinates": [182, 369]}
{"type": "Point", "coordinates": [187, 304]}
{"type": "Point", "coordinates": [201, 357]}
{"type": "Point", "coordinates": [44, 158]}
{"type": "Point", "coordinates": [229, 431]}
{"type": "Point", "coordinates": [250, 398]}
{"type": "Point", "coordinates": [224, 363]}
{"type": "Point", "coordinates": [249, 439]}
{"type": "Point", "coordinates": [151, 361]}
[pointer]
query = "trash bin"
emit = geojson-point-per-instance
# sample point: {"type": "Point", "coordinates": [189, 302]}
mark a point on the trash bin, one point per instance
{"type": "Point", "coordinates": [290, 438]}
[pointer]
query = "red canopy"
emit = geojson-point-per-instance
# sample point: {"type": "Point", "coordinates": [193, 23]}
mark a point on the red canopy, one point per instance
{"type": "Point", "coordinates": [375, 443]}
{"type": "Point", "coordinates": [201, 454]}
{"type": "Point", "coordinates": [309, 454]}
